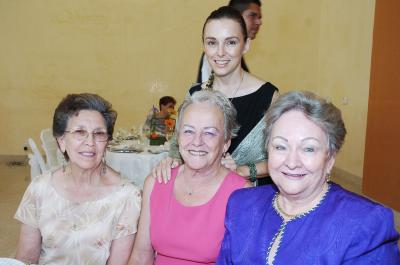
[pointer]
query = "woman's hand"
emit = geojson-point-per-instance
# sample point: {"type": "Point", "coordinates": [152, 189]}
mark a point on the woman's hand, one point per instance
{"type": "Point", "coordinates": [228, 162]}
{"type": "Point", "coordinates": [162, 172]}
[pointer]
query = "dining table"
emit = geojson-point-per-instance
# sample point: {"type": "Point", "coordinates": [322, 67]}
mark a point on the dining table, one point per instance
{"type": "Point", "coordinates": [135, 165]}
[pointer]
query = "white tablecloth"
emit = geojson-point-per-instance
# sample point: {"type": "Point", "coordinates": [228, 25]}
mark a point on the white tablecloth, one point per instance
{"type": "Point", "coordinates": [134, 166]}
{"type": "Point", "coordinates": [9, 261]}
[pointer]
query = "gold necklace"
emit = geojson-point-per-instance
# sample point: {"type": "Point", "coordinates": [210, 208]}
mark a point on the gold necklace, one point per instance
{"type": "Point", "coordinates": [293, 216]}
{"type": "Point", "coordinates": [281, 211]}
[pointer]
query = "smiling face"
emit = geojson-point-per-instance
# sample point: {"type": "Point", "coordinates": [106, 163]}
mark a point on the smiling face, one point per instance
{"type": "Point", "coordinates": [87, 153]}
{"type": "Point", "coordinates": [298, 156]}
{"type": "Point", "coordinates": [224, 45]}
{"type": "Point", "coordinates": [252, 17]}
{"type": "Point", "coordinates": [201, 136]}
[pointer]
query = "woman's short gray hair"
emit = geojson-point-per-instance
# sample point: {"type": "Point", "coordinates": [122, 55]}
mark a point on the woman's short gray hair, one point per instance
{"type": "Point", "coordinates": [214, 98]}
{"type": "Point", "coordinates": [323, 113]}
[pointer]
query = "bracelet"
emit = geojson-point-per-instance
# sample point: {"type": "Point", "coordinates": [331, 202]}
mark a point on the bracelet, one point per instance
{"type": "Point", "coordinates": [253, 171]}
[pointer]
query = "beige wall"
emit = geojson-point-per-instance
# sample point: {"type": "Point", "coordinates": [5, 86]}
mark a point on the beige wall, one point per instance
{"type": "Point", "coordinates": [131, 52]}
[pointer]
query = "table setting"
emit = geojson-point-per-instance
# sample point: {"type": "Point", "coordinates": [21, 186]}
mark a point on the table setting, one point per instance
{"type": "Point", "coordinates": [131, 154]}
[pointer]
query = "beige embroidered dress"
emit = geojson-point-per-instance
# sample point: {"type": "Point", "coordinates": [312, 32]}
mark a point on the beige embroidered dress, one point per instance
{"type": "Point", "coordinates": [78, 233]}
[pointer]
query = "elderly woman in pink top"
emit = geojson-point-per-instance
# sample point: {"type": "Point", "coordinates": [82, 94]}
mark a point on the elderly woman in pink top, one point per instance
{"type": "Point", "coordinates": [182, 222]}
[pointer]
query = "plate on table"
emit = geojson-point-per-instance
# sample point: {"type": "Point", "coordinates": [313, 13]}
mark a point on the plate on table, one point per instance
{"type": "Point", "coordinates": [156, 149]}
{"type": "Point", "coordinates": [130, 137]}
{"type": "Point", "coordinates": [125, 150]}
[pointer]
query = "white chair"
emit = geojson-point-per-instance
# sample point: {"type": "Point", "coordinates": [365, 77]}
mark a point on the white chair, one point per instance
{"type": "Point", "coordinates": [50, 147]}
{"type": "Point", "coordinates": [37, 157]}
{"type": "Point", "coordinates": [35, 167]}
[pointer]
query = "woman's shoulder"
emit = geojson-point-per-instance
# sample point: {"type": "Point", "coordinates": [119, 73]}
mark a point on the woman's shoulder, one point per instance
{"type": "Point", "coordinates": [42, 181]}
{"type": "Point", "coordinates": [115, 179]}
{"type": "Point", "coordinates": [45, 177]}
{"type": "Point", "coordinates": [233, 177]}
{"type": "Point", "coordinates": [356, 207]}
{"type": "Point", "coordinates": [153, 186]}
{"type": "Point", "coordinates": [127, 193]}
{"type": "Point", "coordinates": [269, 86]}
{"type": "Point", "coordinates": [368, 225]}
{"type": "Point", "coordinates": [129, 186]}
{"type": "Point", "coordinates": [258, 88]}
{"type": "Point", "coordinates": [249, 197]}
{"type": "Point", "coordinates": [121, 184]}
{"type": "Point", "coordinates": [260, 83]}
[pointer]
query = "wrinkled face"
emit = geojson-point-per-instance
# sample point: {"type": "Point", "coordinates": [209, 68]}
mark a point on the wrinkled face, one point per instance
{"type": "Point", "coordinates": [86, 153]}
{"type": "Point", "coordinates": [298, 155]}
{"type": "Point", "coordinates": [201, 136]}
{"type": "Point", "coordinates": [252, 17]}
{"type": "Point", "coordinates": [224, 45]}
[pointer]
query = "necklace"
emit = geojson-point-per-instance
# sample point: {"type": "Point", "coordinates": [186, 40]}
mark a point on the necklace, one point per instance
{"type": "Point", "coordinates": [191, 191]}
{"type": "Point", "coordinates": [281, 211]}
{"type": "Point", "coordinates": [237, 89]}
{"type": "Point", "coordinates": [210, 85]}
{"type": "Point", "coordinates": [293, 216]}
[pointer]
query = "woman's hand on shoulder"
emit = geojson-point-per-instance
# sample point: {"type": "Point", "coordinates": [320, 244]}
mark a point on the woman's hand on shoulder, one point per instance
{"type": "Point", "coordinates": [228, 162]}
{"type": "Point", "coordinates": [162, 171]}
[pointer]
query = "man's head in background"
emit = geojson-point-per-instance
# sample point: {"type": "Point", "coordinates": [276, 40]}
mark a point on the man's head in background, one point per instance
{"type": "Point", "coordinates": [251, 12]}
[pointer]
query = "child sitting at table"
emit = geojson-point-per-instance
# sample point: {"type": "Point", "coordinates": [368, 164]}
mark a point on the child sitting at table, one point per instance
{"type": "Point", "coordinates": [157, 121]}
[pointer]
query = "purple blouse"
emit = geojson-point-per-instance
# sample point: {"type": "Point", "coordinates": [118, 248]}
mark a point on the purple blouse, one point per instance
{"type": "Point", "coordinates": [344, 228]}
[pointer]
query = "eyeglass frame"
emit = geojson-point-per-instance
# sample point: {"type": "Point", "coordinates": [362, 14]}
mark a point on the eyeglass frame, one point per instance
{"type": "Point", "coordinates": [93, 133]}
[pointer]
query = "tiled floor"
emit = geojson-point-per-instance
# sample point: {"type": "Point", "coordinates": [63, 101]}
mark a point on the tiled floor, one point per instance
{"type": "Point", "coordinates": [14, 180]}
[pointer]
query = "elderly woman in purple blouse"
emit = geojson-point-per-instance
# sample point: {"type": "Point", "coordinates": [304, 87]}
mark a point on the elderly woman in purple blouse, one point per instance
{"type": "Point", "coordinates": [304, 218]}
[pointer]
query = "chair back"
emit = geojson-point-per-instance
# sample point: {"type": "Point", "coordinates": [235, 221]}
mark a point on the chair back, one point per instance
{"type": "Point", "coordinates": [37, 155]}
{"type": "Point", "coordinates": [50, 147]}
{"type": "Point", "coordinates": [35, 167]}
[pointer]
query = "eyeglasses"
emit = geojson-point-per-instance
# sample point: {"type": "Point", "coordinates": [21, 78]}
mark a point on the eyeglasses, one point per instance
{"type": "Point", "coordinates": [81, 135]}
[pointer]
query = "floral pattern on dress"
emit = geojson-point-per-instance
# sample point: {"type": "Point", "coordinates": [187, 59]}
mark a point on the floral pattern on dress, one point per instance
{"type": "Point", "coordinates": [78, 233]}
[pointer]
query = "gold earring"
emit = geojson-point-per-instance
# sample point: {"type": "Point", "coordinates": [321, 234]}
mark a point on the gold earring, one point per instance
{"type": "Point", "coordinates": [328, 177]}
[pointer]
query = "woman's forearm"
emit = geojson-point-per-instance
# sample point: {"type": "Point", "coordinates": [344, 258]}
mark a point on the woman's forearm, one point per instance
{"type": "Point", "coordinates": [29, 245]}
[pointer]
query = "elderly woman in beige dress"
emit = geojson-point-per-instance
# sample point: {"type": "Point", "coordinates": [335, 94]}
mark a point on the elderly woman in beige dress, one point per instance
{"type": "Point", "coordinates": [83, 212]}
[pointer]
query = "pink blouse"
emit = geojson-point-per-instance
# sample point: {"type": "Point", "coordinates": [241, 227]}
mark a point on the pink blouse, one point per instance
{"type": "Point", "coordinates": [184, 235]}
